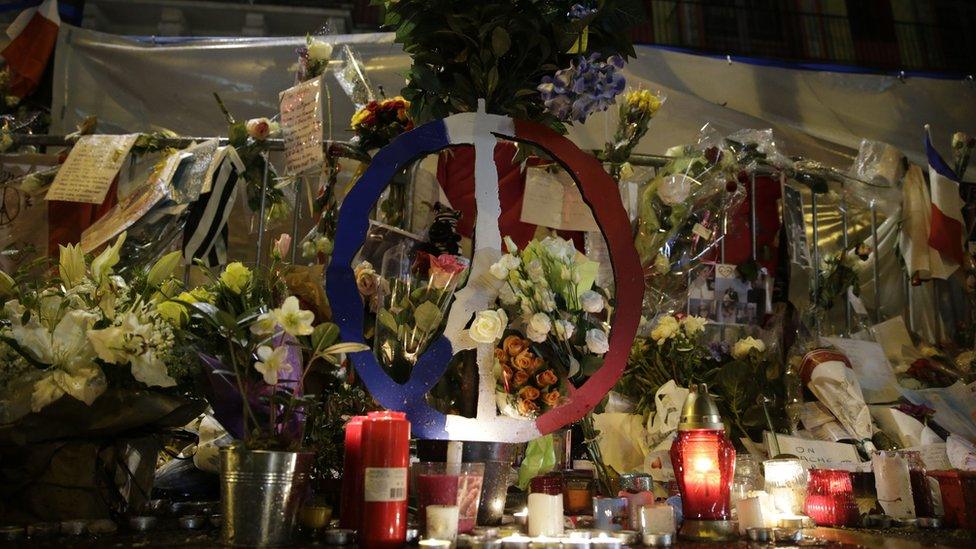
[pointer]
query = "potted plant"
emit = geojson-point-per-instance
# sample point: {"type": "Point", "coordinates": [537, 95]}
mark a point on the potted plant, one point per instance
{"type": "Point", "coordinates": [91, 371]}
{"type": "Point", "coordinates": [259, 344]}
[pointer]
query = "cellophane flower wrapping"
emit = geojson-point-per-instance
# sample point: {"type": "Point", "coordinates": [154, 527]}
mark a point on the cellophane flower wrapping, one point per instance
{"type": "Point", "coordinates": [557, 325]}
{"type": "Point", "coordinates": [680, 216]}
{"type": "Point", "coordinates": [410, 296]}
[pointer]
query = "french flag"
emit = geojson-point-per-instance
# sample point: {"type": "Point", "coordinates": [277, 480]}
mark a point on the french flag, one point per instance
{"type": "Point", "coordinates": [946, 226]}
{"type": "Point", "coordinates": [32, 38]}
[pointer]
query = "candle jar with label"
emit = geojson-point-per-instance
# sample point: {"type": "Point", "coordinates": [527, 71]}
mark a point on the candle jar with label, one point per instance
{"type": "Point", "coordinates": [385, 456]}
{"type": "Point", "coordinates": [546, 506]}
{"type": "Point", "coordinates": [577, 492]}
{"type": "Point", "coordinates": [448, 484]}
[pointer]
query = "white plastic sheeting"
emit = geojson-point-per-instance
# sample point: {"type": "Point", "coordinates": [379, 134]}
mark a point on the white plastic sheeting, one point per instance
{"type": "Point", "coordinates": [138, 85]}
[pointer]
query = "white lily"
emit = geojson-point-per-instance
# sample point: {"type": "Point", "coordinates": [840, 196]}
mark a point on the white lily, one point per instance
{"type": "Point", "coordinates": [102, 265]}
{"type": "Point", "coordinates": [71, 265]}
{"type": "Point", "coordinates": [163, 269]}
{"type": "Point", "coordinates": [293, 319]}
{"type": "Point", "coordinates": [85, 384]}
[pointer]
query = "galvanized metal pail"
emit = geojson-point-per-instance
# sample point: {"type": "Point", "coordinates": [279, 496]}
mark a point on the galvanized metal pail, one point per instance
{"type": "Point", "coordinates": [261, 492]}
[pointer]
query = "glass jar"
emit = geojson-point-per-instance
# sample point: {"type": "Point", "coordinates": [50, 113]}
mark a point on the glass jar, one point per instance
{"type": "Point", "coordinates": [830, 498]}
{"type": "Point", "coordinates": [577, 492]}
{"type": "Point", "coordinates": [786, 482]}
{"type": "Point", "coordinates": [747, 478]}
{"type": "Point", "coordinates": [921, 494]}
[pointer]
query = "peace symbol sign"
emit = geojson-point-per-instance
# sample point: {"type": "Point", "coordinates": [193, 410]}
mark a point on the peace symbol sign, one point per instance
{"type": "Point", "coordinates": [599, 192]}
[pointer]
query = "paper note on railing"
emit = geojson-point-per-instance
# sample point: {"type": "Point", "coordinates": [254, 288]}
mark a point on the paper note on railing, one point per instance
{"type": "Point", "coordinates": [817, 453]}
{"type": "Point", "coordinates": [554, 201]}
{"type": "Point", "coordinates": [90, 168]}
{"type": "Point", "coordinates": [301, 126]}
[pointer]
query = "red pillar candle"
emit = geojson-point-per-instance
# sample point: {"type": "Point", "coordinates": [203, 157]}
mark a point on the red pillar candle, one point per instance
{"type": "Point", "coordinates": [385, 458]}
{"type": "Point", "coordinates": [703, 460]}
{"type": "Point", "coordinates": [352, 479]}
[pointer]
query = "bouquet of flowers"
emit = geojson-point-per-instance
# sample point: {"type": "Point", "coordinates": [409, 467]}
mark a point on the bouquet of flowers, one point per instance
{"type": "Point", "coordinates": [376, 124]}
{"type": "Point", "coordinates": [548, 293]}
{"type": "Point", "coordinates": [259, 345]}
{"type": "Point", "coordinates": [635, 114]}
{"type": "Point", "coordinates": [410, 296]}
{"type": "Point", "coordinates": [85, 331]}
{"type": "Point", "coordinates": [675, 350]}
{"type": "Point", "coordinates": [679, 216]}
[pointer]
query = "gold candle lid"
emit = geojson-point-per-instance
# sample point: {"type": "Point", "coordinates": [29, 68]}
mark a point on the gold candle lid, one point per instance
{"type": "Point", "coordinates": [699, 410]}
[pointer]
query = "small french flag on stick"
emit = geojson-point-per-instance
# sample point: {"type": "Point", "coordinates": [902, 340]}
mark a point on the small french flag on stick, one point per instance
{"type": "Point", "coordinates": [946, 227]}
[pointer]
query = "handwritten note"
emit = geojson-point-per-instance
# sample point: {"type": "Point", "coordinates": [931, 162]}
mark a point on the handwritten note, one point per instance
{"type": "Point", "coordinates": [134, 206]}
{"type": "Point", "coordinates": [934, 456]}
{"type": "Point", "coordinates": [90, 168]}
{"type": "Point", "coordinates": [817, 453]}
{"type": "Point", "coordinates": [553, 200]}
{"type": "Point", "coordinates": [874, 373]}
{"type": "Point", "coordinates": [301, 126]}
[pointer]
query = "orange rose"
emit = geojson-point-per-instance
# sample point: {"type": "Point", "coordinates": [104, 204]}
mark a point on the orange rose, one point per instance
{"type": "Point", "coordinates": [551, 398]}
{"type": "Point", "coordinates": [529, 393]}
{"type": "Point", "coordinates": [524, 360]}
{"type": "Point", "coordinates": [546, 379]}
{"type": "Point", "coordinates": [521, 378]}
{"type": "Point", "coordinates": [514, 345]}
{"type": "Point", "coordinates": [527, 407]}
{"type": "Point", "coordinates": [501, 356]}
{"type": "Point", "coordinates": [536, 364]}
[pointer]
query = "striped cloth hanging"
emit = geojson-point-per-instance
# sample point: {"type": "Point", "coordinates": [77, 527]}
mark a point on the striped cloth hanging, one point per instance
{"type": "Point", "coordinates": [205, 233]}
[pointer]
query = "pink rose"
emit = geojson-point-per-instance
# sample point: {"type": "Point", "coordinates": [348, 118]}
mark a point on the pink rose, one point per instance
{"type": "Point", "coordinates": [282, 246]}
{"type": "Point", "coordinates": [446, 268]}
{"type": "Point", "coordinates": [258, 128]}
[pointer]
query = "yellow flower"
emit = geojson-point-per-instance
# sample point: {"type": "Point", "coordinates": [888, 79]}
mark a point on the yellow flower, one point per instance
{"type": "Point", "coordinates": [102, 265]}
{"type": "Point", "coordinates": [236, 277]}
{"type": "Point", "coordinates": [173, 312]}
{"type": "Point", "coordinates": [71, 267]}
{"type": "Point", "coordinates": [644, 101]}
{"type": "Point", "coordinates": [163, 269]}
{"type": "Point", "coordinates": [359, 116]}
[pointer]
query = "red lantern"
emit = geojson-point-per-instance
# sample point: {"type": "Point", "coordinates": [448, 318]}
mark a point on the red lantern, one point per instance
{"type": "Point", "coordinates": [703, 460]}
{"type": "Point", "coordinates": [830, 498]}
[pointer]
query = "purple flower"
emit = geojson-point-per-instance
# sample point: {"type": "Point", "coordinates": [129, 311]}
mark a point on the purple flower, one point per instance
{"type": "Point", "coordinates": [920, 412]}
{"type": "Point", "coordinates": [579, 11]}
{"type": "Point", "coordinates": [587, 86]}
{"type": "Point", "coordinates": [718, 350]}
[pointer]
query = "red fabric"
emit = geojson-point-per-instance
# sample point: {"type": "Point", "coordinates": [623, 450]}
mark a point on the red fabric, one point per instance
{"type": "Point", "coordinates": [27, 54]}
{"type": "Point", "coordinates": [738, 241]}
{"type": "Point", "coordinates": [945, 235]}
{"type": "Point", "coordinates": [455, 174]}
{"type": "Point", "coordinates": [67, 220]}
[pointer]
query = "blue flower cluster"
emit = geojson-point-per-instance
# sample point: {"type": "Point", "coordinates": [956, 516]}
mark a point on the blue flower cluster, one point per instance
{"type": "Point", "coordinates": [579, 11]}
{"type": "Point", "coordinates": [587, 86]}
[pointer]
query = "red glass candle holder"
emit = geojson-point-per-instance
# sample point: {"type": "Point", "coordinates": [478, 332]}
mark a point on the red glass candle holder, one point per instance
{"type": "Point", "coordinates": [921, 495]}
{"type": "Point", "coordinates": [968, 480]}
{"type": "Point", "coordinates": [703, 461]}
{"type": "Point", "coordinates": [830, 498]}
{"type": "Point", "coordinates": [953, 503]}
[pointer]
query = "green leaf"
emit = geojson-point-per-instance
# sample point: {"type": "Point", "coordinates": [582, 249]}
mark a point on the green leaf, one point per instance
{"type": "Point", "coordinates": [339, 348]}
{"type": "Point", "coordinates": [427, 316]}
{"type": "Point", "coordinates": [500, 41]}
{"type": "Point", "coordinates": [385, 318]}
{"type": "Point", "coordinates": [323, 335]}
{"type": "Point", "coordinates": [540, 458]}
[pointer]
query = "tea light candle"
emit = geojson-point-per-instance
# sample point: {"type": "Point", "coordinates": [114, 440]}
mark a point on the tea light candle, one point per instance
{"type": "Point", "coordinates": [522, 517]}
{"type": "Point", "coordinates": [657, 518]}
{"type": "Point", "coordinates": [786, 482]}
{"type": "Point", "coordinates": [545, 515]}
{"type": "Point", "coordinates": [516, 542]}
{"type": "Point", "coordinates": [435, 543]}
{"type": "Point", "coordinates": [442, 522]}
{"type": "Point", "coordinates": [604, 541]}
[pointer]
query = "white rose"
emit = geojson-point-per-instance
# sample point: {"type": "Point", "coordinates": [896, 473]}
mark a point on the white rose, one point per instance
{"type": "Point", "coordinates": [534, 268]}
{"type": "Point", "coordinates": [488, 326]}
{"type": "Point", "coordinates": [507, 295]}
{"type": "Point", "coordinates": [499, 270]}
{"type": "Point", "coordinates": [665, 329]}
{"type": "Point", "coordinates": [744, 346]}
{"type": "Point", "coordinates": [675, 189]}
{"type": "Point", "coordinates": [693, 324]}
{"type": "Point", "coordinates": [319, 50]}
{"type": "Point", "coordinates": [562, 250]}
{"type": "Point", "coordinates": [535, 335]}
{"type": "Point", "coordinates": [596, 341]}
{"type": "Point", "coordinates": [592, 302]}
{"type": "Point", "coordinates": [540, 323]}
{"type": "Point", "coordinates": [564, 329]}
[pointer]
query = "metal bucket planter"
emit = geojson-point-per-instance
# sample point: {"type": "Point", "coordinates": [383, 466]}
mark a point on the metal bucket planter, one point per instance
{"type": "Point", "coordinates": [261, 493]}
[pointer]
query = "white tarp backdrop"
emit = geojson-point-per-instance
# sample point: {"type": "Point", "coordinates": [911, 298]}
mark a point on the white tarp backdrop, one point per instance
{"type": "Point", "coordinates": [138, 85]}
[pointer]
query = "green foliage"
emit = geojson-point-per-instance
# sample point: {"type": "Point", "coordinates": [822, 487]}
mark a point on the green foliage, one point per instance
{"type": "Point", "coordinates": [497, 50]}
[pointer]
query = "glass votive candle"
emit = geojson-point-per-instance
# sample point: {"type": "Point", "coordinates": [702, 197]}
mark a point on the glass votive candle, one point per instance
{"type": "Point", "coordinates": [577, 492]}
{"type": "Point", "coordinates": [446, 485]}
{"type": "Point", "coordinates": [921, 495]}
{"type": "Point", "coordinates": [786, 483]}
{"type": "Point", "coordinates": [609, 514]}
{"type": "Point", "coordinates": [865, 492]}
{"type": "Point", "coordinates": [830, 498]}
{"type": "Point", "coordinates": [953, 503]}
{"type": "Point", "coordinates": [657, 518]}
